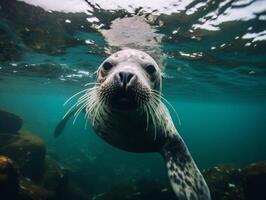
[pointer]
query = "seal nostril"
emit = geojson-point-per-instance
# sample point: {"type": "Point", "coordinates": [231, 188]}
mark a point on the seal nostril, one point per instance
{"type": "Point", "coordinates": [129, 77]}
{"type": "Point", "coordinates": [125, 77]}
{"type": "Point", "coordinates": [121, 76]}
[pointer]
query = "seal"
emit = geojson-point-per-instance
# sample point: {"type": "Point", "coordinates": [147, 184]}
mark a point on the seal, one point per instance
{"type": "Point", "coordinates": [126, 109]}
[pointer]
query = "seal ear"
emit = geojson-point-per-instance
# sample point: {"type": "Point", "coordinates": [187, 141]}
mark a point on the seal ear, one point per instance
{"type": "Point", "coordinates": [185, 177]}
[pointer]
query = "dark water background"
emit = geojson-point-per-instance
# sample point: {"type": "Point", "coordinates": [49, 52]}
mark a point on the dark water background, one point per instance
{"type": "Point", "coordinates": [213, 53]}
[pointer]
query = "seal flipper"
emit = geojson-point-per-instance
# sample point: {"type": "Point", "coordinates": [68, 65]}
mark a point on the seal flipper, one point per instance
{"type": "Point", "coordinates": [61, 125]}
{"type": "Point", "coordinates": [186, 179]}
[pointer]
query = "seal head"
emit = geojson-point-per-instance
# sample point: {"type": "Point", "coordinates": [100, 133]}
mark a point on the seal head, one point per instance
{"type": "Point", "coordinates": [127, 79]}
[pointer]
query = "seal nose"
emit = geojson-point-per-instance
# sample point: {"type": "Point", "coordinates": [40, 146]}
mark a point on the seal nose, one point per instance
{"type": "Point", "coordinates": [125, 78]}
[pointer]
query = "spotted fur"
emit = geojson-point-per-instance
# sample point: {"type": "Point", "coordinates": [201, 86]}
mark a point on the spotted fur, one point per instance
{"type": "Point", "coordinates": [185, 178]}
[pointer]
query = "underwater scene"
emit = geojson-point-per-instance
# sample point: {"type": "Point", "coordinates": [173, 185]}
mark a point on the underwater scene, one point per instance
{"type": "Point", "coordinates": [207, 67]}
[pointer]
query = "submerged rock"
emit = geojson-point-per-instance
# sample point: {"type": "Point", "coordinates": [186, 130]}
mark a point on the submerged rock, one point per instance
{"type": "Point", "coordinates": [52, 180]}
{"type": "Point", "coordinates": [15, 187]}
{"type": "Point", "coordinates": [35, 177]}
{"type": "Point", "coordinates": [29, 190]}
{"type": "Point", "coordinates": [27, 150]}
{"type": "Point", "coordinates": [8, 179]}
{"type": "Point", "coordinates": [55, 179]}
{"type": "Point", "coordinates": [9, 122]}
{"type": "Point", "coordinates": [141, 190]}
{"type": "Point", "coordinates": [224, 183]}
{"type": "Point", "coordinates": [254, 181]}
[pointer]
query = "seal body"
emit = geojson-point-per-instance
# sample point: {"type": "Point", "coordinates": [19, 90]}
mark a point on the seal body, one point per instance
{"type": "Point", "coordinates": [129, 131]}
{"type": "Point", "coordinates": [118, 132]}
{"type": "Point", "coordinates": [127, 110]}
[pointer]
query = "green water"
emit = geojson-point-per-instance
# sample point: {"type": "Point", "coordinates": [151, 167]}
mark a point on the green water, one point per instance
{"type": "Point", "coordinates": [219, 93]}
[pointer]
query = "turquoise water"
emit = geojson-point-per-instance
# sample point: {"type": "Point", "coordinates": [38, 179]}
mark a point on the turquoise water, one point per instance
{"type": "Point", "coordinates": [213, 55]}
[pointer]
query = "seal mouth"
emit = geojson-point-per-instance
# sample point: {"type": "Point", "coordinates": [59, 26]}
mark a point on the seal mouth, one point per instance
{"type": "Point", "coordinates": [123, 100]}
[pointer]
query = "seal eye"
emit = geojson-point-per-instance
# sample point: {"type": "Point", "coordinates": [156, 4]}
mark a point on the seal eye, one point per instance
{"type": "Point", "coordinates": [150, 69]}
{"type": "Point", "coordinates": [107, 65]}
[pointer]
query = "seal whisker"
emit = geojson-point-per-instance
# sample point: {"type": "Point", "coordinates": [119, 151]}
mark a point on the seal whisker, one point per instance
{"type": "Point", "coordinates": [92, 83]}
{"type": "Point", "coordinates": [93, 106]}
{"type": "Point", "coordinates": [78, 112]}
{"type": "Point", "coordinates": [81, 104]}
{"type": "Point", "coordinates": [89, 98]}
{"type": "Point", "coordinates": [86, 117]}
{"type": "Point", "coordinates": [148, 119]}
{"type": "Point", "coordinates": [159, 109]}
{"type": "Point", "coordinates": [96, 112]}
{"type": "Point", "coordinates": [72, 109]}
{"type": "Point", "coordinates": [167, 102]}
{"type": "Point", "coordinates": [90, 106]}
{"type": "Point", "coordinates": [69, 111]}
{"type": "Point", "coordinates": [83, 99]}
{"type": "Point", "coordinates": [77, 103]}
{"type": "Point", "coordinates": [150, 107]}
{"type": "Point", "coordinates": [160, 112]}
{"type": "Point", "coordinates": [147, 116]}
{"type": "Point", "coordinates": [73, 96]}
